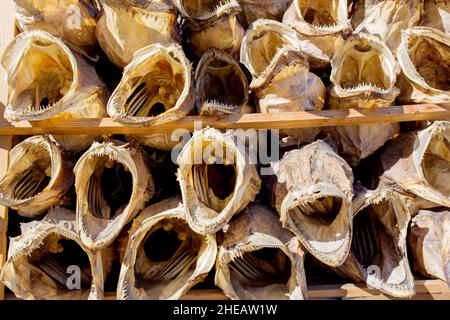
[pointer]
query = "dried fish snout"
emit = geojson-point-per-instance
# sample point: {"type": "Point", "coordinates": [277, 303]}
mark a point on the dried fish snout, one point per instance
{"type": "Point", "coordinates": [48, 261]}
{"type": "Point", "coordinates": [418, 163]}
{"type": "Point", "coordinates": [216, 179]}
{"type": "Point", "coordinates": [263, 42]}
{"type": "Point", "coordinates": [164, 257]}
{"type": "Point", "coordinates": [262, 9]}
{"type": "Point", "coordinates": [74, 21]}
{"type": "Point", "coordinates": [385, 19]}
{"type": "Point", "coordinates": [311, 188]}
{"type": "Point", "coordinates": [322, 22]}
{"type": "Point", "coordinates": [113, 183]}
{"type": "Point", "coordinates": [221, 31]}
{"type": "Point", "coordinates": [259, 260]}
{"type": "Point", "coordinates": [156, 87]}
{"type": "Point", "coordinates": [38, 178]}
{"type": "Point", "coordinates": [378, 253]}
{"type": "Point", "coordinates": [423, 55]}
{"type": "Point", "coordinates": [289, 86]}
{"type": "Point", "coordinates": [125, 27]}
{"type": "Point", "coordinates": [429, 240]}
{"type": "Point", "coordinates": [47, 80]}
{"type": "Point", "coordinates": [221, 86]}
{"type": "Point", "coordinates": [364, 74]}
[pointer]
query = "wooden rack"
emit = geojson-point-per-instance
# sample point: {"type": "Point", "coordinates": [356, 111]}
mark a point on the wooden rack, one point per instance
{"type": "Point", "coordinates": [426, 289]}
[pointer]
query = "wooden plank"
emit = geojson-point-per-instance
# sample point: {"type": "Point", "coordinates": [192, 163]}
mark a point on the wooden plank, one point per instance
{"type": "Point", "coordinates": [425, 289]}
{"type": "Point", "coordinates": [7, 31]}
{"type": "Point", "coordinates": [284, 120]}
{"type": "Point", "coordinates": [5, 146]}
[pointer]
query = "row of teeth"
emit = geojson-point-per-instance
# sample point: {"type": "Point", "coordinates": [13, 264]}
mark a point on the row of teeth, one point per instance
{"type": "Point", "coordinates": [366, 86]}
{"type": "Point", "coordinates": [29, 111]}
{"type": "Point", "coordinates": [225, 108]}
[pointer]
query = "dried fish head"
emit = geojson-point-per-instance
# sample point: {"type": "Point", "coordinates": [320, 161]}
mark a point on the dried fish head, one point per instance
{"type": "Point", "coordinates": [221, 86]}
{"type": "Point", "coordinates": [156, 87]}
{"type": "Point", "coordinates": [221, 31]}
{"type": "Point", "coordinates": [289, 86]}
{"type": "Point", "coordinates": [47, 80]}
{"type": "Point", "coordinates": [386, 18]}
{"type": "Point", "coordinates": [378, 253]}
{"type": "Point", "coordinates": [311, 189]}
{"type": "Point", "coordinates": [216, 179]}
{"type": "Point", "coordinates": [113, 183]}
{"type": "Point", "coordinates": [429, 240]}
{"type": "Point", "coordinates": [323, 22]}
{"type": "Point", "coordinates": [259, 260]}
{"type": "Point", "coordinates": [267, 9]}
{"type": "Point", "coordinates": [48, 261]}
{"type": "Point", "coordinates": [423, 56]}
{"type": "Point", "coordinates": [363, 75]}
{"type": "Point", "coordinates": [38, 177]}
{"type": "Point", "coordinates": [74, 21]}
{"type": "Point", "coordinates": [164, 258]}
{"type": "Point", "coordinates": [419, 163]}
{"type": "Point", "coordinates": [124, 27]}
{"type": "Point", "coordinates": [263, 42]}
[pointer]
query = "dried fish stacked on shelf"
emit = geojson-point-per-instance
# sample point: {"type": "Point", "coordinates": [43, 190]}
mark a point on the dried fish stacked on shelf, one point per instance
{"type": "Point", "coordinates": [173, 210]}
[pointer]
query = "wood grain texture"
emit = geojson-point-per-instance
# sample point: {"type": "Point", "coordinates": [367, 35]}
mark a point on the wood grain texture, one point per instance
{"type": "Point", "coordinates": [425, 290]}
{"type": "Point", "coordinates": [7, 32]}
{"type": "Point", "coordinates": [283, 120]}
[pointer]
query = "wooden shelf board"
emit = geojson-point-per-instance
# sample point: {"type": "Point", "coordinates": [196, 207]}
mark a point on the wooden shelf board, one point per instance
{"type": "Point", "coordinates": [302, 119]}
{"type": "Point", "coordinates": [425, 289]}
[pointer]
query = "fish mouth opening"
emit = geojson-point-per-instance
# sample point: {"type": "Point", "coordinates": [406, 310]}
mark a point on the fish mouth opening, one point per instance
{"type": "Point", "coordinates": [319, 13]}
{"type": "Point", "coordinates": [156, 89]}
{"type": "Point", "coordinates": [362, 65]}
{"type": "Point", "coordinates": [221, 84]}
{"type": "Point", "coordinates": [374, 245]}
{"type": "Point", "coordinates": [322, 224]}
{"type": "Point", "coordinates": [436, 164]}
{"type": "Point", "coordinates": [214, 184]}
{"type": "Point", "coordinates": [169, 251]}
{"type": "Point", "coordinates": [29, 176]}
{"type": "Point", "coordinates": [42, 78]}
{"type": "Point", "coordinates": [56, 258]}
{"type": "Point", "coordinates": [201, 8]}
{"type": "Point", "coordinates": [430, 58]}
{"type": "Point", "coordinates": [260, 268]}
{"type": "Point", "coordinates": [109, 188]}
{"type": "Point", "coordinates": [263, 47]}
